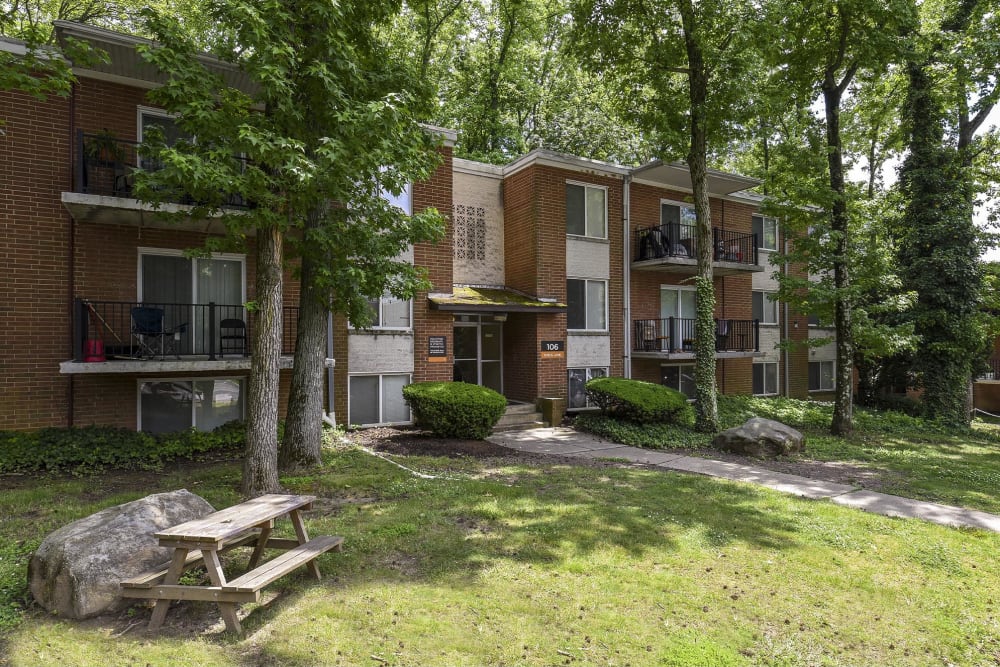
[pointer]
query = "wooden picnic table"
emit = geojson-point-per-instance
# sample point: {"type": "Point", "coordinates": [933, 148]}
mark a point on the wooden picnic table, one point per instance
{"type": "Point", "coordinates": [199, 542]}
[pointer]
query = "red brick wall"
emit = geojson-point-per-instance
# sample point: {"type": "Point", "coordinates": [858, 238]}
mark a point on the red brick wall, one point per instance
{"type": "Point", "coordinates": [34, 261]}
{"type": "Point", "coordinates": [437, 259]}
{"type": "Point", "coordinates": [41, 242]}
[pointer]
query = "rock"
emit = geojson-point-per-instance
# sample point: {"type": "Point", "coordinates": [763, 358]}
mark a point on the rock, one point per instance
{"type": "Point", "coordinates": [761, 438]}
{"type": "Point", "coordinates": [77, 570]}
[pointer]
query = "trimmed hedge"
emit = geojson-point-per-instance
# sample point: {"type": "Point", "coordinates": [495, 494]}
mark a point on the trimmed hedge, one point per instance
{"type": "Point", "coordinates": [91, 448]}
{"type": "Point", "coordinates": [455, 409]}
{"type": "Point", "coordinates": [640, 402]}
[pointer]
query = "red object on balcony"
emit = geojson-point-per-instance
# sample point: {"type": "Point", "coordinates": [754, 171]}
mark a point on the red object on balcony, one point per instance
{"type": "Point", "coordinates": [93, 351]}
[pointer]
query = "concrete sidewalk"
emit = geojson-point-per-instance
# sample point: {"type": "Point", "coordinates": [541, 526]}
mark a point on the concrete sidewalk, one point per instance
{"type": "Point", "coordinates": [570, 443]}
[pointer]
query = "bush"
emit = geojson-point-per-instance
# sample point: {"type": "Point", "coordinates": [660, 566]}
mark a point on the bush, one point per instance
{"type": "Point", "coordinates": [91, 448]}
{"type": "Point", "coordinates": [640, 402]}
{"type": "Point", "coordinates": [650, 436]}
{"type": "Point", "coordinates": [455, 409]}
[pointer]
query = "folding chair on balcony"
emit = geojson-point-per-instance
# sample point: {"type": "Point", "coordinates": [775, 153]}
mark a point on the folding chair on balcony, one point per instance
{"type": "Point", "coordinates": [233, 337]}
{"type": "Point", "coordinates": [151, 338]}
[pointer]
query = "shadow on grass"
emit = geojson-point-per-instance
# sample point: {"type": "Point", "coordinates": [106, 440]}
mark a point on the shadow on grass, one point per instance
{"type": "Point", "coordinates": [447, 531]}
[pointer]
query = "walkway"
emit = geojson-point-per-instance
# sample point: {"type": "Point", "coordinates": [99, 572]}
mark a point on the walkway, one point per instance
{"type": "Point", "coordinates": [570, 443]}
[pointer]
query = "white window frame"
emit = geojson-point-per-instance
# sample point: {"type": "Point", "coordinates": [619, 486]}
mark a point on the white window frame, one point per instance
{"type": "Point", "coordinates": [586, 313]}
{"type": "Point", "coordinates": [380, 318]}
{"type": "Point", "coordinates": [242, 379]}
{"type": "Point", "coordinates": [409, 380]}
{"type": "Point", "coordinates": [833, 376]}
{"type": "Point", "coordinates": [589, 370]}
{"type": "Point", "coordinates": [677, 288]}
{"type": "Point", "coordinates": [678, 387]}
{"type": "Point", "coordinates": [150, 111]}
{"type": "Point", "coordinates": [171, 252]}
{"type": "Point", "coordinates": [766, 303]}
{"type": "Point", "coordinates": [768, 391]}
{"type": "Point", "coordinates": [585, 210]}
{"type": "Point", "coordinates": [766, 220]}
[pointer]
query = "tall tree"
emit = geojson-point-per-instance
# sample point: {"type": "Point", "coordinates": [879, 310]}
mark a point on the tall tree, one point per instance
{"type": "Point", "coordinates": [681, 68]}
{"type": "Point", "coordinates": [953, 82]}
{"type": "Point", "coordinates": [818, 50]}
{"type": "Point", "coordinates": [322, 124]}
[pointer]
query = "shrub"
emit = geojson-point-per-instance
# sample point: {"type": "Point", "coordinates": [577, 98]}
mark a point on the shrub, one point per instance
{"type": "Point", "coordinates": [640, 402]}
{"type": "Point", "coordinates": [651, 436]}
{"type": "Point", "coordinates": [91, 448]}
{"type": "Point", "coordinates": [455, 409]}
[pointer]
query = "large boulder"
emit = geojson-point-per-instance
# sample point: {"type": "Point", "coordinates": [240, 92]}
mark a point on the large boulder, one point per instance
{"type": "Point", "coordinates": [77, 570]}
{"type": "Point", "coordinates": [761, 438]}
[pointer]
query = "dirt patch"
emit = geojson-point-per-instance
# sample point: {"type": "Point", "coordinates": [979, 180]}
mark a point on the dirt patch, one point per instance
{"type": "Point", "coordinates": [413, 442]}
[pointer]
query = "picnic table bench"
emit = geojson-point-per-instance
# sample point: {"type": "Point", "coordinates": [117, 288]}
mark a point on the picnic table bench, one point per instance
{"type": "Point", "coordinates": [199, 543]}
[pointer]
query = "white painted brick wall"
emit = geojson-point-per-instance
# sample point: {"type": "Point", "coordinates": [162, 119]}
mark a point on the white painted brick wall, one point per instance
{"type": "Point", "coordinates": [587, 259]}
{"type": "Point", "coordinates": [588, 351]}
{"type": "Point", "coordinates": [380, 352]}
{"type": "Point", "coordinates": [481, 191]}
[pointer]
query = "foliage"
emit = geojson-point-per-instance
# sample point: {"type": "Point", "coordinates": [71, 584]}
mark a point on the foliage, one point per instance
{"type": "Point", "coordinates": [940, 244]}
{"type": "Point", "coordinates": [639, 402]}
{"type": "Point", "coordinates": [455, 409]}
{"type": "Point", "coordinates": [650, 436]}
{"type": "Point", "coordinates": [91, 448]}
{"type": "Point", "coordinates": [323, 116]}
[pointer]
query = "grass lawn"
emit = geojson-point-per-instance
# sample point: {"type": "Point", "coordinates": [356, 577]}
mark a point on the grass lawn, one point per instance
{"type": "Point", "coordinates": [913, 458]}
{"type": "Point", "coordinates": [522, 562]}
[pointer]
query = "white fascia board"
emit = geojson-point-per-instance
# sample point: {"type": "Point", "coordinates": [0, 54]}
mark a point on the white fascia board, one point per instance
{"type": "Point", "coordinates": [463, 166]}
{"type": "Point", "coordinates": [548, 158]}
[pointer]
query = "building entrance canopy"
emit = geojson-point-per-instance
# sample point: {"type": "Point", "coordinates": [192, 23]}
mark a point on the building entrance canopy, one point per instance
{"type": "Point", "coordinates": [492, 299]}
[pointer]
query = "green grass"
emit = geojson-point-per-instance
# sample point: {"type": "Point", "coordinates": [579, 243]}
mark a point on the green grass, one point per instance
{"type": "Point", "coordinates": [545, 565]}
{"type": "Point", "coordinates": [916, 458]}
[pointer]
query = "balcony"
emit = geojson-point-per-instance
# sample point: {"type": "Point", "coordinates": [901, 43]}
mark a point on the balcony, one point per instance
{"type": "Point", "coordinates": [992, 372]}
{"type": "Point", "coordinates": [673, 338]}
{"type": "Point", "coordinates": [132, 337]}
{"type": "Point", "coordinates": [673, 248]}
{"type": "Point", "coordinates": [103, 178]}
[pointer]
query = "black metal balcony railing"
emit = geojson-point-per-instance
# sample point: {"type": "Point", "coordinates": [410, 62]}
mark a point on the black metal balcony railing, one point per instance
{"type": "Point", "coordinates": [106, 165]}
{"type": "Point", "coordinates": [676, 334]}
{"type": "Point", "coordinates": [992, 372]}
{"type": "Point", "coordinates": [169, 331]}
{"type": "Point", "coordinates": [680, 241]}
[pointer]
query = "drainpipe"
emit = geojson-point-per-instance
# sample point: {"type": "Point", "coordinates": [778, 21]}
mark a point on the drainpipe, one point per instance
{"type": "Point", "coordinates": [786, 352]}
{"type": "Point", "coordinates": [627, 278]}
{"type": "Point", "coordinates": [330, 417]}
{"type": "Point", "coordinates": [71, 264]}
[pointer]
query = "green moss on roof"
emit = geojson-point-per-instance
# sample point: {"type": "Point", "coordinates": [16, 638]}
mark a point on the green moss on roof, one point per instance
{"type": "Point", "coordinates": [500, 298]}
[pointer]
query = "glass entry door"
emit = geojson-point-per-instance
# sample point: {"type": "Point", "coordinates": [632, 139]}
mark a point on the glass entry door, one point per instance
{"type": "Point", "coordinates": [479, 351]}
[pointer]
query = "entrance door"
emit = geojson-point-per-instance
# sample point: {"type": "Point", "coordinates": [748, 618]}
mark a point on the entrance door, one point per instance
{"type": "Point", "coordinates": [479, 352]}
{"type": "Point", "coordinates": [677, 303]}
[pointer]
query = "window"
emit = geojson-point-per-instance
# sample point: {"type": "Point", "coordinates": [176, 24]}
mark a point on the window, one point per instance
{"type": "Point", "coordinates": [680, 378]}
{"type": "Point", "coordinates": [167, 123]}
{"type": "Point", "coordinates": [403, 201]}
{"type": "Point", "coordinates": [390, 313]}
{"type": "Point", "coordinates": [377, 399]}
{"type": "Point", "coordinates": [577, 386]}
{"type": "Point", "coordinates": [166, 406]}
{"type": "Point", "coordinates": [764, 308]}
{"type": "Point", "coordinates": [766, 230]}
{"type": "Point", "coordinates": [821, 376]}
{"type": "Point", "coordinates": [587, 308]}
{"type": "Point", "coordinates": [765, 379]}
{"type": "Point", "coordinates": [586, 211]}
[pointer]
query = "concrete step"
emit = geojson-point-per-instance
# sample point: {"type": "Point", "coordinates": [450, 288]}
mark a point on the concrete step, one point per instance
{"type": "Point", "coordinates": [523, 426]}
{"type": "Point", "coordinates": [519, 408]}
{"type": "Point", "coordinates": [510, 419]}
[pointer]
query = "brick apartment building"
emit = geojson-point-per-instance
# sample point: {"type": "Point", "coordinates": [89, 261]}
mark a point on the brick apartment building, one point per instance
{"type": "Point", "coordinates": [554, 269]}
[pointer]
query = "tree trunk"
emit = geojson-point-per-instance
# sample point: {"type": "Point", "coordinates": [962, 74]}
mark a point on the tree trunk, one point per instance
{"type": "Point", "coordinates": [704, 332]}
{"type": "Point", "coordinates": [302, 444]}
{"type": "Point", "coordinates": [260, 468]}
{"type": "Point", "coordinates": [843, 408]}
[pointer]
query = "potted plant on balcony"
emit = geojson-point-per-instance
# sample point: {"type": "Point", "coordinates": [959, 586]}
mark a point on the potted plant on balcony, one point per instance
{"type": "Point", "coordinates": [103, 147]}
